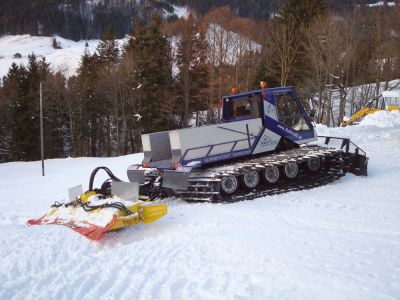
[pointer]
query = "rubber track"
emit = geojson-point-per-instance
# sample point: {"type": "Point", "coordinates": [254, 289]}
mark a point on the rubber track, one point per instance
{"type": "Point", "coordinates": [335, 167]}
{"type": "Point", "coordinates": [287, 186]}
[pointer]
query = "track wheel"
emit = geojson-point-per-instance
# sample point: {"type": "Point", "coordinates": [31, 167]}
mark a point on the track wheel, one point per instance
{"type": "Point", "coordinates": [251, 179]}
{"type": "Point", "coordinates": [314, 164]}
{"type": "Point", "coordinates": [271, 174]}
{"type": "Point", "coordinates": [291, 169]}
{"type": "Point", "coordinates": [229, 184]}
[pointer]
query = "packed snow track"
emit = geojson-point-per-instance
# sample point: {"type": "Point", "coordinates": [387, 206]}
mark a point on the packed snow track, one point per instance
{"type": "Point", "coordinates": [339, 241]}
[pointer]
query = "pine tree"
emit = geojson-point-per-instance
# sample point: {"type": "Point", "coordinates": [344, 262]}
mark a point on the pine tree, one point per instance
{"type": "Point", "coordinates": [21, 86]}
{"type": "Point", "coordinates": [107, 49]}
{"type": "Point", "coordinates": [37, 71]}
{"type": "Point", "coordinates": [106, 87]}
{"type": "Point", "coordinates": [151, 52]}
{"type": "Point", "coordinates": [4, 125]}
{"type": "Point", "coordinates": [86, 107]}
{"type": "Point", "coordinates": [55, 120]}
{"type": "Point", "coordinates": [15, 88]}
{"type": "Point", "coordinates": [193, 70]}
{"type": "Point", "coordinates": [301, 12]}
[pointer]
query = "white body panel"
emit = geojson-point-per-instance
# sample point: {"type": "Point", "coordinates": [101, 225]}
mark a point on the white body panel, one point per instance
{"type": "Point", "coordinates": [268, 142]}
{"type": "Point", "coordinates": [223, 134]}
{"type": "Point", "coordinates": [270, 111]}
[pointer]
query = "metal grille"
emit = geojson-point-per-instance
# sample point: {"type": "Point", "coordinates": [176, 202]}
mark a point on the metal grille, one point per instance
{"type": "Point", "coordinates": [146, 142]}
{"type": "Point", "coordinates": [160, 146]}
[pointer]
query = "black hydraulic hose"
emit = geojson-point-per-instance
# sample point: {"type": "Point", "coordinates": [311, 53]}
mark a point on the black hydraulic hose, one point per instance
{"type": "Point", "coordinates": [87, 207]}
{"type": "Point", "coordinates": [117, 205]}
{"type": "Point", "coordinates": [94, 172]}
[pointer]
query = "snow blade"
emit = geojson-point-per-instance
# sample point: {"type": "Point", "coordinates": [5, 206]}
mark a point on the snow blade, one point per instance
{"type": "Point", "coordinates": [91, 231]}
{"type": "Point", "coordinates": [95, 223]}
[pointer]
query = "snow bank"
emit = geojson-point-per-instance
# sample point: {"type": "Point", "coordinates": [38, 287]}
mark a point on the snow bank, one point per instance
{"type": "Point", "coordinates": [382, 119]}
{"type": "Point", "coordinates": [339, 241]}
{"type": "Point", "coordinates": [371, 128]}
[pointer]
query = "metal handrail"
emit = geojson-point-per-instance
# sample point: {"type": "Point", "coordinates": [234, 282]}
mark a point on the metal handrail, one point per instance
{"type": "Point", "coordinates": [212, 147]}
{"type": "Point", "coordinates": [346, 142]}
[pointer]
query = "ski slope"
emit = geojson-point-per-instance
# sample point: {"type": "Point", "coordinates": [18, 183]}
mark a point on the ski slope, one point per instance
{"type": "Point", "coordinates": [65, 60]}
{"type": "Point", "coordinates": [339, 241]}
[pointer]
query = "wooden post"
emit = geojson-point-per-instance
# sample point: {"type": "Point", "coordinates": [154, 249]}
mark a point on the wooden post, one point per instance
{"type": "Point", "coordinates": [41, 128]}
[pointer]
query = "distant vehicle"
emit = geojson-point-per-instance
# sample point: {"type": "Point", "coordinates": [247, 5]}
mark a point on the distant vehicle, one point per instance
{"type": "Point", "coordinates": [388, 100]}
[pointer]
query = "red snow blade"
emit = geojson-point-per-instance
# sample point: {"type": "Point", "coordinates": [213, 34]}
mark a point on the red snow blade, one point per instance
{"type": "Point", "coordinates": [91, 231]}
{"type": "Point", "coordinates": [96, 222]}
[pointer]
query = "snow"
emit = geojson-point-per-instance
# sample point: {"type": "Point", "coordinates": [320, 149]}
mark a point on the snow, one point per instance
{"type": "Point", "coordinates": [381, 3]}
{"type": "Point", "coordinates": [383, 119]}
{"type": "Point", "coordinates": [65, 60]}
{"type": "Point", "coordinates": [339, 241]}
{"type": "Point", "coordinates": [228, 51]}
{"type": "Point", "coordinates": [227, 46]}
{"type": "Point", "coordinates": [80, 217]}
{"type": "Point", "coordinates": [179, 11]}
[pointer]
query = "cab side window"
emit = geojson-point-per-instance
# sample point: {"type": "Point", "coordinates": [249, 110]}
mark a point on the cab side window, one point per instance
{"type": "Point", "coordinates": [288, 111]}
{"type": "Point", "coordinates": [248, 107]}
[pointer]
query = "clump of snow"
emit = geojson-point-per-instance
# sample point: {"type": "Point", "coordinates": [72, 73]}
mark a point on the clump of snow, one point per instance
{"type": "Point", "coordinates": [80, 217]}
{"type": "Point", "coordinates": [382, 119]}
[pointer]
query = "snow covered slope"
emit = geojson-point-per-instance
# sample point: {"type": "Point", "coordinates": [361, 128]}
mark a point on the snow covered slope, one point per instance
{"type": "Point", "coordinates": [340, 241]}
{"type": "Point", "coordinates": [66, 59]}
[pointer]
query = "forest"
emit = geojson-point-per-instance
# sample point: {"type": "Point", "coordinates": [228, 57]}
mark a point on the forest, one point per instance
{"type": "Point", "coordinates": [172, 74]}
{"type": "Point", "coordinates": [89, 19]}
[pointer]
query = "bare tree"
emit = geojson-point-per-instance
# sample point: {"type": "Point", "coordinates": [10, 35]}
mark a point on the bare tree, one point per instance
{"type": "Point", "coordinates": [330, 46]}
{"type": "Point", "coordinates": [285, 47]}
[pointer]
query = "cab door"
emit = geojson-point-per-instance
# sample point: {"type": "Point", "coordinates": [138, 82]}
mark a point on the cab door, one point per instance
{"type": "Point", "coordinates": [293, 122]}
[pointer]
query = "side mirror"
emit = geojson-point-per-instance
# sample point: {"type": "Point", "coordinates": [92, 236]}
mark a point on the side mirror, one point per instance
{"type": "Point", "coordinates": [312, 113]}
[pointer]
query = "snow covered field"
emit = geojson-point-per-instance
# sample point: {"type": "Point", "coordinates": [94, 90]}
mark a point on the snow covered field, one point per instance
{"type": "Point", "coordinates": [65, 60]}
{"type": "Point", "coordinates": [340, 241]}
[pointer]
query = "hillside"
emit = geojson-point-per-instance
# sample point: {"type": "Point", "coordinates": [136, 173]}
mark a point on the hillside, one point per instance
{"type": "Point", "coordinates": [65, 60]}
{"type": "Point", "coordinates": [88, 19]}
{"type": "Point", "coordinates": [339, 241]}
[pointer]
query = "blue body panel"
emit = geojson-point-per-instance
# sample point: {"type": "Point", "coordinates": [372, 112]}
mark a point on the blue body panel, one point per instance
{"type": "Point", "coordinates": [266, 96]}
